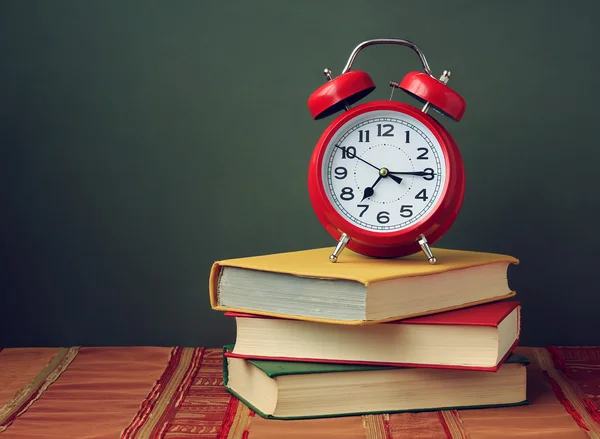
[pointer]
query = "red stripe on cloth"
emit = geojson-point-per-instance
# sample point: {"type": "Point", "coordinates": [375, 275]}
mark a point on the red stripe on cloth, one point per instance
{"type": "Point", "coordinates": [201, 414]}
{"type": "Point", "coordinates": [247, 428]}
{"type": "Point", "coordinates": [445, 425]}
{"type": "Point", "coordinates": [182, 390]}
{"type": "Point", "coordinates": [557, 358]}
{"type": "Point", "coordinates": [20, 410]}
{"type": "Point", "coordinates": [386, 427]}
{"type": "Point", "coordinates": [228, 418]}
{"type": "Point", "coordinates": [572, 361]}
{"type": "Point", "coordinates": [150, 402]}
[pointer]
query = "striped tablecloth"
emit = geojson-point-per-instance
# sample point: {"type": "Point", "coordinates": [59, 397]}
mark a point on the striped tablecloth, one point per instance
{"type": "Point", "coordinates": [152, 392]}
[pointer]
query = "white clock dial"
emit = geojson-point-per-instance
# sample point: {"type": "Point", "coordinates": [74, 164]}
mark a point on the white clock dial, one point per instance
{"type": "Point", "coordinates": [384, 171]}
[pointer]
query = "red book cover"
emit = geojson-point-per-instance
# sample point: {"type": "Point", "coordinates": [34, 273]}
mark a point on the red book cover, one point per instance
{"type": "Point", "coordinates": [490, 314]}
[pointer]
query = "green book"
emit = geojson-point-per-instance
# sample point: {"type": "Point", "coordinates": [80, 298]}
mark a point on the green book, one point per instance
{"type": "Point", "coordinates": [299, 390]}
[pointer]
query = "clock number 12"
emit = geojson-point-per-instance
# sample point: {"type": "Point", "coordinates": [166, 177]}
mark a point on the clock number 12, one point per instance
{"type": "Point", "coordinates": [383, 130]}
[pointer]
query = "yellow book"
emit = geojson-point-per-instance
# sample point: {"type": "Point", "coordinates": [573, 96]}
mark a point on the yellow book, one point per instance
{"type": "Point", "coordinates": [356, 290]}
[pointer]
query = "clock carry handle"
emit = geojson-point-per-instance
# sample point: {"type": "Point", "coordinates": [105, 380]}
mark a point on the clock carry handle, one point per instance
{"type": "Point", "coordinates": [387, 41]}
{"type": "Point", "coordinates": [351, 86]}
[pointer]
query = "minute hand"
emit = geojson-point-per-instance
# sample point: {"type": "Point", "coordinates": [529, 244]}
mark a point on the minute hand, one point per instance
{"type": "Point", "coordinates": [354, 156]}
{"type": "Point", "coordinates": [417, 173]}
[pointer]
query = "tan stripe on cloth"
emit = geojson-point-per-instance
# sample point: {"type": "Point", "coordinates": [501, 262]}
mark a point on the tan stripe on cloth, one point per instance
{"type": "Point", "coordinates": [377, 426]}
{"type": "Point", "coordinates": [235, 422]}
{"type": "Point", "coordinates": [33, 390]}
{"type": "Point", "coordinates": [153, 420]}
{"type": "Point", "coordinates": [96, 397]}
{"type": "Point", "coordinates": [19, 366]}
{"type": "Point", "coordinates": [453, 423]}
{"type": "Point", "coordinates": [241, 422]}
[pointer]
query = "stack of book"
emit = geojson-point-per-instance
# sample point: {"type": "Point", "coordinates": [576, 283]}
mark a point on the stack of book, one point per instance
{"type": "Point", "coordinates": [363, 335]}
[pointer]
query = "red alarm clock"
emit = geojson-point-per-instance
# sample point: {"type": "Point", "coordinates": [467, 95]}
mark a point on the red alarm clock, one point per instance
{"type": "Point", "coordinates": [386, 179]}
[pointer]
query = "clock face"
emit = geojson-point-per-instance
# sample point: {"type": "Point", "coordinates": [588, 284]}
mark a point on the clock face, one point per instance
{"type": "Point", "coordinates": [384, 171]}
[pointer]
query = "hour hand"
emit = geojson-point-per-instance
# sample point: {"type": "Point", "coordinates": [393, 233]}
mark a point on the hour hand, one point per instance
{"type": "Point", "coordinates": [396, 179]}
{"type": "Point", "coordinates": [369, 191]}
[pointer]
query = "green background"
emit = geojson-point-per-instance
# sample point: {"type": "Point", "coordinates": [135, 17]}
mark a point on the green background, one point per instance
{"type": "Point", "coordinates": [141, 141]}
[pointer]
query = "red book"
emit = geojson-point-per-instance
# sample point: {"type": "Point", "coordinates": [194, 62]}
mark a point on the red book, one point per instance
{"type": "Point", "coordinates": [475, 338]}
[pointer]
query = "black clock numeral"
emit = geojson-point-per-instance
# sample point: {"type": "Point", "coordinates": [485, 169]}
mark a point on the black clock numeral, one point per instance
{"type": "Point", "coordinates": [406, 210]}
{"type": "Point", "coordinates": [364, 209]}
{"type": "Point", "coordinates": [429, 175]}
{"type": "Point", "coordinates": [363, 135]}
{"type": "Point", "coordinates": [348, 152]}
{"type": "Point", "coordinates": [423, 155]}
{"type": "Point", "coordinates": [383, 217]}
{"type": "Point", "coordinates": [388, 126]}
{"type": "Point", "coordinates": [422, 195]}
{"type": "Point", "coordinates": [347, 194]}
{"type": "Point", "coordinates": [407, 140]}
{"type": "Point", "coordinates": [341, 172]}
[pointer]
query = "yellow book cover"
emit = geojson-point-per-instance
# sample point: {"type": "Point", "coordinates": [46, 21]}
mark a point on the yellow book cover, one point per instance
{"type": "Point", "coordinates": [357, 289]}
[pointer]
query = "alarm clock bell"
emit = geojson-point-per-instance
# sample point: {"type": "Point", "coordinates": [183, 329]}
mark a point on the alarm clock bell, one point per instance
{"type": "Point", "coordinates": [352, 86]}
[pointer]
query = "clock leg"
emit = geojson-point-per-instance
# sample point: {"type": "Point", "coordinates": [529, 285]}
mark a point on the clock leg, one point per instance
{"type": "Point", "coordinates": [339, 247]}
{"type": "Point", "coordinates": [426, 249]}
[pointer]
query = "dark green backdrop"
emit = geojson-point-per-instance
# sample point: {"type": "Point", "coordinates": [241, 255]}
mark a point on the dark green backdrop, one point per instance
{"type": "Point", "coordinates": [141, 141]}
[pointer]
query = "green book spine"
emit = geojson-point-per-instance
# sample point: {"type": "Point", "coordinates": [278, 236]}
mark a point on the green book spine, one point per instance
{"type": "Point", "coordinates": [279, 368]}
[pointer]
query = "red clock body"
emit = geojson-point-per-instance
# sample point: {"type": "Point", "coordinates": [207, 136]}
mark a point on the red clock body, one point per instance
{"type": "Point", "coordinates": [385, 173]}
